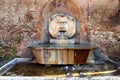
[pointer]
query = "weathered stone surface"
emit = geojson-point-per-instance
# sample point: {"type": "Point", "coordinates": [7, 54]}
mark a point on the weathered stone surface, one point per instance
{"type": "Point", "coordinates": [59, 78]}
{"type": "Point", "coordinates": [22, 21]}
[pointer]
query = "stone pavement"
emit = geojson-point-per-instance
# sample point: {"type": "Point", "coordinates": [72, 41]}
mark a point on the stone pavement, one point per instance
{"type": "Point", "coordinates": [55, 78]}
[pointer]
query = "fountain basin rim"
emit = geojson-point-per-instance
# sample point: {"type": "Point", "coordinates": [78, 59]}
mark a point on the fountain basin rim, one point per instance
{"type": "Point", "coordinates": [62, 46]}
{"type": "Point", "coordinates": [9, 65]}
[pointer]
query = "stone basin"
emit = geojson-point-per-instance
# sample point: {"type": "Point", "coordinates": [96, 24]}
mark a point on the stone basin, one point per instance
{"type": "Point", "coordinates": [63, 54]}
{"type": "Point", "coordinates": [33, 69]}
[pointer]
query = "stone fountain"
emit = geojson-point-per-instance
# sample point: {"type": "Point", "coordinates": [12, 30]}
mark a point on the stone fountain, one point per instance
{"type": "Point", "coordinates": [61, 44]}
{"type": "Point", "coordinates": [62, 25]}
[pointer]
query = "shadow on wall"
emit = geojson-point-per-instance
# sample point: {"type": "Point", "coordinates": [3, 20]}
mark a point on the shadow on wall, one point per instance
{"type": "Point", "coordinates": [115, 20]}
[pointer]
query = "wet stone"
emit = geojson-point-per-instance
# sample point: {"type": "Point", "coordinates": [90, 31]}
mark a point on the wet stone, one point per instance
{"type": "Point", "coordinates": [32, 69]}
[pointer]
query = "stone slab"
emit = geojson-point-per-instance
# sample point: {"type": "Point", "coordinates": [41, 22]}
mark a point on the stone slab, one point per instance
{"type": "Point", "coordinates": [56, 78]}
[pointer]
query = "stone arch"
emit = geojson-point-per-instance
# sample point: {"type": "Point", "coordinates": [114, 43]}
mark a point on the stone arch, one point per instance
{"type": "Point", "coordinates": [63, 6]}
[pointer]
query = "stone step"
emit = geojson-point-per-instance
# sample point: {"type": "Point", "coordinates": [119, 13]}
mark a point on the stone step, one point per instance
{"type": "Point", "coordinates": [55, 78]}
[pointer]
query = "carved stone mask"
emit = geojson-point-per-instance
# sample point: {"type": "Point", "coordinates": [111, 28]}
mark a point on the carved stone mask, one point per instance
{"type": "Point", "coordinates": [62, 22]}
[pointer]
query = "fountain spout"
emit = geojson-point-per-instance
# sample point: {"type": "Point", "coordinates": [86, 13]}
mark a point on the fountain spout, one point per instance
{"type": "Point", "coordinates": [62, 37]}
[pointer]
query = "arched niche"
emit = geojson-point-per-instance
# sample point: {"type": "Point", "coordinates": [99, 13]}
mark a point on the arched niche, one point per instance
{"type": "Point", "coordinates": [67, 7]}
{"type": "Point", "coordinates": [62, 6]}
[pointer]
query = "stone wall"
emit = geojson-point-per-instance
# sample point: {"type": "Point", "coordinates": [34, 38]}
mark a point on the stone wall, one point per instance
{"type": "Point", "coordinates": [104, 25]}
{"type": "Point", "coordinates": [22, 21]}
